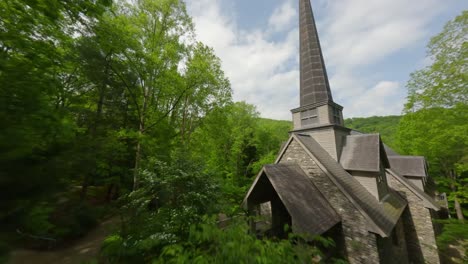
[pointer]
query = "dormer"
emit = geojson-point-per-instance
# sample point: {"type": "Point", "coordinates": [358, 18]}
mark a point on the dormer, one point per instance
{"type": "Point", "coordinates": [364, 157]}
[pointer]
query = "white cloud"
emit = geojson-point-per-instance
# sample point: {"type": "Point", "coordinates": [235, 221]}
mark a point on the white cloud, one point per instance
{"type": "Point", "coordinates": [259, 68]}
{"type": "Point", "coordinates": [356, 35]}
{"type": "Point", "coordinates": [361, 32]}
{"type": "Point", "coordinates": [283, 17]}
{"type": "Point", "coordinates": [385, 98]}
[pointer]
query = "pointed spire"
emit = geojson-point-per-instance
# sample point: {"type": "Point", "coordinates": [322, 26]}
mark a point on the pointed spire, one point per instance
{"type": "Point", "coordinates": [314, 85]}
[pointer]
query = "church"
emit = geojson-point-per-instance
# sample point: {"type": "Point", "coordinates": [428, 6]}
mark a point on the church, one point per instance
{"type": "Point", "coordinates": [332, 181]}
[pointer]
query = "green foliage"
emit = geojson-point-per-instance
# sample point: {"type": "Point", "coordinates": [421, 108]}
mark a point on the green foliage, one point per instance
{"type": "Point", "coordinates": [34, 37]}
{"type": "Point", "coordinates": [89, 91]}
{"type": "Point", "coordinates": [454, 233]}
{"type": "Point", "coordinates": [171, 199]}
{"type": "Point", "coordinates": [37, 221]}
{"type": "Point", "coordinates": [226, 141]}
{"type": "Point", "coordinates": [434, 125]}
{"type": "Point", "coordinates": [267, 159]}
{"type": "Point", "coordinates": [386, 126]}
{"type": "Point", "coordinates": [207, 243]}
{"type": "Point", "coordinates": [99, 98]}
{"type": "Point", "coordinates": [62, 221]}
{"type": "Point", "coordinates": [234, 143]}
{"type": "Point", "coordinates": [271, 134]}
{"type": "Point", "coordinates": [445, 82]}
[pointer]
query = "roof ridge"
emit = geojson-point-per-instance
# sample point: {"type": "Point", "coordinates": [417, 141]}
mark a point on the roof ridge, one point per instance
{"type": "Point", "coordinates": [382, 221]}
{"type": "Point", "coordinates": [311, 214]}
{"type": "Point", "coordinates": [429, 201]}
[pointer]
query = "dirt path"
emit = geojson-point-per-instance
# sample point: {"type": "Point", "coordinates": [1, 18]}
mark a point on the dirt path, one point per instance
{"type": "Point", "coordinates": [83, 250]}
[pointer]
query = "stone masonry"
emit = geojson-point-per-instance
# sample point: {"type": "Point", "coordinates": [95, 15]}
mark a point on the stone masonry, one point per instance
{"type": "Point", "coordinates": [361, 246]}
{"type": "Point", "coordinates": [419, 231]}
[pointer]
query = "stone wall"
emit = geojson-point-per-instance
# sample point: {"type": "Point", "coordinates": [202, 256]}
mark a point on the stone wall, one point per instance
{"type": "Point", "coordinates": [419, 230]}
{"type": "Point", "coordinates": [360, 245]}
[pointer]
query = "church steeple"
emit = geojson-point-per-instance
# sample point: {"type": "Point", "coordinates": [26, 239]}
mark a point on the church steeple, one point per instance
{"type": "Point", "coordinates": [317, 115]}
{"type": "Point", "coordinates": [315, 87]}
{"type": "Point", "coordinates": [316, 102]}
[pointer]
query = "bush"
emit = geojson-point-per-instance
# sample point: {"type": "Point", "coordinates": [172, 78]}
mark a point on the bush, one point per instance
{"type": "Point", "coordinates": [111, 248]}
{"type": "Point", "coordinates": [37, 221]}
{"type": "Point", "coordinates": [207, 243]}
{"type": "Point", "coordinates": [454, 233]}
{"type": "Point", "coordinates": [46, 222]}
{"type": "Point", "coordinates": [160, 213]}
{"type": "Point", "coordinates": [74, 220]}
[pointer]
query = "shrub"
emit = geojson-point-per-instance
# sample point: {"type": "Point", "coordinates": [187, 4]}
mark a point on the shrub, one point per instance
{"type": "Point", "coordinates": [454, 233]}
{"type": "Point", "coordinates": [207, 243]}
{"type": "Point", "coordinates": [37, 220]}
{"type": "Point", "coordinates": [74, 220]}
{"type": "Point", "coordinates": [171, 199]}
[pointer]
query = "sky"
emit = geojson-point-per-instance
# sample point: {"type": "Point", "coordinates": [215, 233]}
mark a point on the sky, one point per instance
{"type": "Point", "coordinates": [370, 48]}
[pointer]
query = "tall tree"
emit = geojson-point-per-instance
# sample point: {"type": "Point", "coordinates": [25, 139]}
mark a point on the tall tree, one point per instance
{"type": "Point", "coordinates": [435, 122]}
{"type": "Point", "coordinates": [34, 92]}
{"type": "Point", "coordinates": [170, 80]}
{"type": "Point", "coordinates": [149, 53]}
{"type": "Point", "coordinates": [444, 83]}
{"type": "Point", "coordinates": [226, 142]}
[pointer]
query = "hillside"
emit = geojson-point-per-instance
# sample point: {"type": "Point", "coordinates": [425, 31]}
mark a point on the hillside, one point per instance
{"type": "Point", "coordinates": [386, 126]}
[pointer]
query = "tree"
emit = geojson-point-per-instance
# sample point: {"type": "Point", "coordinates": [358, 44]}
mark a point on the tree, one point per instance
{"type": "Point", "coordinates": [444, 83]}
{"type": "Point", "coordinates": [224, 139]}
{"type": "Point", "coordinates": [441, 136]}
{"type": "Point", "coordinates": [34, 93]}
{"type": "Point", "coordinates": [436, 112]}
{"type": "Point", "coordinates": [386, 126]}
{"type": "Point", "coordinates": [170, 80]}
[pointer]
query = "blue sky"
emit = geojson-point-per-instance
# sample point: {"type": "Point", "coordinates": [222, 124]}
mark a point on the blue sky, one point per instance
{"type": "Point", "coordinates": [370, 48]}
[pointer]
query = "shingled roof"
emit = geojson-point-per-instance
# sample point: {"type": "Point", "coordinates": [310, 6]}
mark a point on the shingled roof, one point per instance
{"type": "Point", "coordinates": [309, 210]}
{"type": "Point", "coordinates": [363, 152]}
{"type": "Point", "coordinates": [429, 202]}
{"type": "Point", "coordinates": [382, 216]}
{"type": "Point", "coordinates": [314, 84]}
{"type": "Point", "coordinates": [408, 165]}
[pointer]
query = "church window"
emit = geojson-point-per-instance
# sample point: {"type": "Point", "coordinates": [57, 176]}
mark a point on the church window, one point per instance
{"type": "Point", "coordinates": [309, 117]}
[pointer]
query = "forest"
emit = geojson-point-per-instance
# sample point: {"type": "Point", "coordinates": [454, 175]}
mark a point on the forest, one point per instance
{"type": "Point", "coordinates": [114, 110]}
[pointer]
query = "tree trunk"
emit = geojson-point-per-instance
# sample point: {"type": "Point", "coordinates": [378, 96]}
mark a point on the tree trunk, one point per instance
{"type": "Point", "coordinates": [109, 195]}
{"type": "Point", "coordinates": [94, 127]}
{"type": "Point", "coordinates": [137, 166]}
{"type": "Point", "coordinates": [459, 210]}
{"type": "Point", "coordinates": [453, 175]}
{"type": "Point", "coordinates": [136, 172]}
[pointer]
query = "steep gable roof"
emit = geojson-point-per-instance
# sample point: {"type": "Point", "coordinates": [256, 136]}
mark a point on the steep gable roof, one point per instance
{"type": "Point", "coordinates": [362, 152]}
{"type": "Point", "coordinates": [408, 165]}
{"type": "Point", "coordinates": [310, 212]}
{"type": "Point", "coordinates": [429, 202]}
{"type": "Point", "coordinates": [382, 216]}
{"type": "Point", "coordinates": [314, 84]}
